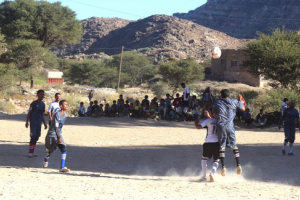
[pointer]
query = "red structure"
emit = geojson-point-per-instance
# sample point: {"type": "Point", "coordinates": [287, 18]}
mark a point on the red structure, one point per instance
{"type": "Point", "coordinates": [55, 78]}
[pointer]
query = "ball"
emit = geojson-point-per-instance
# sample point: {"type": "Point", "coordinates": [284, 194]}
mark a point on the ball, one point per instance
{"type": "Point", "coordinates": [215, 52]}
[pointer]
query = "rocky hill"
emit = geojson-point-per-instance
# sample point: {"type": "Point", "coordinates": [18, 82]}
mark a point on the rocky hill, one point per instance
{"type": "Point", "coordinates": [159, 36]}
{"type": "Point", "coordinates": [245, 18]}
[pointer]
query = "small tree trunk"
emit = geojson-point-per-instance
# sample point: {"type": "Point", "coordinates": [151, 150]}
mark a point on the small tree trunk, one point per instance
{"type": "Point", "coordinates": [31, 82]}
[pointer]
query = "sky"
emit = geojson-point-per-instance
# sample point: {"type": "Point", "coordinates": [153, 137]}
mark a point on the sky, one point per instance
{"type": "Point", "coordinates": [128, 9]}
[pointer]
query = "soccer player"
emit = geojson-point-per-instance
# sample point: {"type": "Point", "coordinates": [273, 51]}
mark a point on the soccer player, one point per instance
{"type": "Point", "coordinates": [224, 111]}
{"type": "Point", "coordinates": [36, 117]}
{"type": "Point", "coordinates": [291, 118]}
{"type": "Point", "coordinates": [53, 107]}
{"type": "Point", "coordinates": [211, 146]}
{"type": "Point", "coordinates": [54, 137]}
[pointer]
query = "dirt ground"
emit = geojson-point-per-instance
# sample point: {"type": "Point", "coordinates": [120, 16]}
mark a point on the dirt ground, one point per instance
{"type": "Point", "coordinates": [123, 158]}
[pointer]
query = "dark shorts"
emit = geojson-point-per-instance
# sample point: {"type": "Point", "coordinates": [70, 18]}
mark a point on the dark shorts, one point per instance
{"type": "Point", "coordinates": [51, 144]}
{"type": "Point", "coordinates": [289, 132]}
{"type": "Point", "coordinates": [211, 150]}
{"type": "Point", "coordinates": [35, 132]}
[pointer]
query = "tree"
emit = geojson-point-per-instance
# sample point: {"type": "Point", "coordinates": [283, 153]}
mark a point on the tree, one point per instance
{"type": "Point", "coordinates": [29, 55]}
{"type": "Point", "coordinates": [176, 72]}
{"type": "Point", "coordinates": [276, 57]}
{"type": "Point", "coordinates": [136, 68]}
{"type": "Point", "coordinates": [8, 74]}
{"type": "Point", "coordinates": [51, 23]}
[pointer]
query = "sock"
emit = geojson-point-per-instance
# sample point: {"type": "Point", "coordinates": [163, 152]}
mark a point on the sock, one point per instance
{"type": "Point", "coordinates": [46, 159]}
{"type": "Point", "coordinates": [237, 156]}
{"type": "Point", "coordinates": [215, 167]}
{"type": "Point", "coordinates": [222, 158]}
{"type": "Point", "coordinates": [34, 147]}
{"type": "Point", "coordinates": [31, 148]}
{"type": "Point", "coordinates": [63, 159]}
{"type": "Point", "coordinates": [291, 148]}
{"type": "Point", "coordinates": [284, 145]}
{"type": "Point", "coordinates": [204, 166]}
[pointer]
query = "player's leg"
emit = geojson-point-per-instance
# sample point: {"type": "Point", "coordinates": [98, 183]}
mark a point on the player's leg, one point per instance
{"type": "Point", "coordinates": [205, 156]}
{"type": "Point", "coordinates": [35, 133]}
{"type": "Point", "coordinates": [215, 149]}
{"type": "Point", "coordinates": [287, 134]}
{"type": "Point", "coordinates": [232, 144]}
{"type": "Point", "coordinates": [63, 148]}
{"type": "Point", "coordinates": [222, 136]}
{"type": "Point", "coordinates": [292, 140]}
{"type": "Point", "coordinates": [46, 158]}
{"type": "Point", "coordinates": [50, 145]}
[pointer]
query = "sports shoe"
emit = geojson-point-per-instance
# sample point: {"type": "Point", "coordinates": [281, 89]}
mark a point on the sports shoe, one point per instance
{"type": "Point", "coordinates": [64, 170]}
{"type": "Point", "coordinates": [45, 165]}
{"type": "Point", "coordinates": [211, 177]}
{"type": "Point", "coordinates": [291, 154]}
{"type": "Point", "coordinates": [223, 172]}
{"type": "Point", "coordinates": [283, 152]}
{"type": "Point", "coordinates": [34, 155]}
{"type": "Point", "coordinates": [30, 155]}
{"type": "Point", "coordinates": [203, 179]}
{"type": "Point", "coordinates": [239, 170]}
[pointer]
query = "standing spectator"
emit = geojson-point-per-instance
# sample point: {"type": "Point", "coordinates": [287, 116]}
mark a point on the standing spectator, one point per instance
{"type": "Point", "coordinates": [36, 117]}
{"type": "Point", "coordinates": [207, 101]}
{"type": "Point", "coordinates": [53, 107]}
{"type": "Point", "coordinates": [224, 111]}
{"type": "Point", "coordinates": [186, 95]}
{"type": "Point", "coordinates": [240, 113]}
{"type": "Point", "coordinates": [90, 95]}
{"type": "Point", "coordinates": [120, 103]}
{"type": "Point", "coordinates": [146, 100]}
{"type": "Point", "coordinates": [291, 119]}
{"type": "Point", "coordinates": [168, 100]}
{"type": "Point", "coordinates": [247, 117]}
{"type": "Point", "coordinates": [89, 109]}
{"type": "Point", "coordinates": [81, 110]}
{"type": "Point", "coordinates": [261, 118]}
{"type": "Point", "coordinates": [283, 105]}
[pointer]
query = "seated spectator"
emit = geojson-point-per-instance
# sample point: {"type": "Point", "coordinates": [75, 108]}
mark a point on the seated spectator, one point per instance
{"type": "Point", "coordinates": [168, 100]}
{"type": "Point", "coordinates": [131, 108]}
{"type": "Point", "coordinates": [261, 118]}
{"type": "Point", "coordinates": [162, 109]}
{"type": "Point", "coordinates": [170, 113]}
{"type": "Point", "coordinates": [196, 112]}
{"type": "Point", "coordinates": [89, 110]}
{"type": "Point", "coordinates": [107, 110]}
{"type": "Point", "coordinates": [126, 108]}
{"type": "Point", "coordinates": [95, 109]}
{"type": "Point", "coordinates": [101, 110]}
{"type": "Point", "coordinates": [156, 103]}
{"type": "Point", "coordinates": [146, 100]}
{"type": "Point", "coordinates": [177, 101]}
{"type": "Point", "coordinates": [152, 114]}
{"type": "Point", "coordinates": [194, 102]}
{"type": "Point", "coordinates": [189, 114]}
{"type": "Point", "coordinates": [81, 110]}
{"type": "Point", "coordinates": [144, 110]}
{"type": "Point", "coordinates": [247, 117]}
{"type": "Point", "coordinates": [120, 103]}
{"type": "Point", "coordinates": [114, 109]}
{"type": "Point", "coordinates": [136, 109]}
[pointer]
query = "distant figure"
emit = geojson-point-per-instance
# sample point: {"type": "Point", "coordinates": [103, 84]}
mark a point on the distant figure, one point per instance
{"type": "Point", "coordinates": [211, 146]}
{"type": "Point", "coordinates": [54, 137]}
{"type": "Point", "coordinates": [89, 109]}
{"type": "Point", "coordinates": [114, 109]}
{"type": "Point", "coordinates": [120, 104]}
{"type": "Point", "coordinates": [95, 109]}
{"type": "Point", "coordinates": [239, 112]}
{"type": "Point", "coordinates": [177, 101]}
{"type": "Point", "coordinates": [291, 119]}
{"type": "Point", "coordinates": [261, 118]}
{"type": "Point", "coordinates": [247, 117]}
{"type": "Point", "coordinates": [146, 101]}
{"type": "Point", "coordinates": [53, 107]}
{"type": "Point", "coordinates": [36, 117]}
{"type": "Point", "coordinates": [283, 105]}
{"type": "Point", "coordinates": [81, 110]}
{"type": "Point", "coordinates": [207, 101]}
{"type": "Point", "coordinates": [90, 95]}
{"type": "Point", "coordinates": [186, 95]}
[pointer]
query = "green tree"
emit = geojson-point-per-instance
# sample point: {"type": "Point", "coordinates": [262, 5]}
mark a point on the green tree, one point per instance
{"type": "Point", "coordinates": [8, 74]}
{"type": "Point", "coordinates": [276, 57]}
{"type": "Point", "coordinates": [176, 72]}
{"type": "Point", "coordinates": [51, 23]}
{"type": "Point", "coordinates": [136, 68]}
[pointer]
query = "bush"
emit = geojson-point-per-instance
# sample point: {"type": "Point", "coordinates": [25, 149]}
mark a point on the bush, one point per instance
{"type": "Point", "coordinates": [7, 106]}
{"type": "Point", "coordinates": [73, 102]}
{"type": "Point", "coordinates": [160, 89]}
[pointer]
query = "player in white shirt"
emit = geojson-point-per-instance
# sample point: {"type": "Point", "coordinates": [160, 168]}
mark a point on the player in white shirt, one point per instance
{"type": "Point", "coordinates": [283, 106]}
{"type": "Point", "coordinates": [211, 146]}
{"type": "Point", "coordinates": [54, 107]}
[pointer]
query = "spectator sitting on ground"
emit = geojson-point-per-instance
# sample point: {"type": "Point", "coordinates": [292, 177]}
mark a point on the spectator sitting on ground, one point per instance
{"type": "Point", "coordinates": [261, 118]}
{"type": "Point", "coordinates": [81, 110]}
{"type": "Point", "coordinates": [131, 108]}
{"type": "Point", "coordinates": [168, 100]}
{"type": "Point", "coordinates": [196, 112]}
{"type": "Point", "coordinates": [120, 103]}
{"type": "Point", "coordinates": [156, 103]}
{"type": "Point", "coordinates": [126, 108]}
{"type": "Point", "coordinates": [162, 109]}
{"type": "Point", "coordinates": [247, 117]}
{"type": "Point", "coordinates": [89, 110]}
{"type": "Point", "coordinates": [107, 110]}
{"type": "Point", "coordinates": [189, 114]}
{"type": "Point", "coordinates": [144, 110]}
{"type": "Point", "coordinates": [177, 101]}
{"type": "Point", "coordinates": [194, 102]}
{"type": "Point", "coordinates": [101, 110]}
{"type": "Point", "coordinates": [136, 109]}
{"type": "Point", "coordinates": [152, 110]}
{"type": "Point", "coordinates": [114, 109]}
{"type": "Point", "coordinates": [170, 113]}
{"type": "Point", "coordinates": [95, 109]}
{"type": "Point", "coordinates": [146, 100]}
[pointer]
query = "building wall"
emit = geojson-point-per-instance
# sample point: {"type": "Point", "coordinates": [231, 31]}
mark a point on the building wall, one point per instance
{"type": "Point", "coordinates": [228, 68]}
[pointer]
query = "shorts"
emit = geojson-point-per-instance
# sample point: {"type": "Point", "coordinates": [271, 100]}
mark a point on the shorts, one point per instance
{"type": "Point", "coordinates": [35, 132]}
{"type": "Point", "coordinates": [51, 144]}
{"type": "Point", "coordinates": [211, 150]}
{"type": "Point", "coordinates": [289, 132]}
{"type": "Point", "coordinates": [226, 136]}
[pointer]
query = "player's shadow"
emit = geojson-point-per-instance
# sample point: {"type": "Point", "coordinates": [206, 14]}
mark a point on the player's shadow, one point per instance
{"type": "Point", "coordinates": [260, 162]}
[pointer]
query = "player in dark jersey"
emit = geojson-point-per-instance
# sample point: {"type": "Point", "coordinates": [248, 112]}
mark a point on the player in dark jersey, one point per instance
{"type": "Point", "coordinates": [291, 119]}
{"type": "Point", "coordinates": [54, 137]}
{"type": "Point", "coordinates": [36, 118]}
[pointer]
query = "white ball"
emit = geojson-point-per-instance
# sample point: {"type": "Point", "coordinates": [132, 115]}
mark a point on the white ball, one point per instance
{"type": "Point", "coordinates": [215, 52]}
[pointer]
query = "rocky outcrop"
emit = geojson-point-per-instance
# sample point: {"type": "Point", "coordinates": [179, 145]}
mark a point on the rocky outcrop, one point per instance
{"type": "Point", "coordinates": [159, 36]}
{"type": "Point", "coordinates": [245, 18]}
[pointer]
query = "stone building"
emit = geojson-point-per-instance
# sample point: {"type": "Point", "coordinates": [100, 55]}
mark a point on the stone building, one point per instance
{"type": "Point", "coordinates": [228, 68]}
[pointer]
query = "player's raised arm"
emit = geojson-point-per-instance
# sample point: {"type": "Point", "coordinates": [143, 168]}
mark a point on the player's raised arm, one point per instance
{"type": "Point", "coordinates": [197, 125]}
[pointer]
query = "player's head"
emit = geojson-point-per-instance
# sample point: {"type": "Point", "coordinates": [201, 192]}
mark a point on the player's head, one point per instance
{"type": "Point", "coordinates": [225, 93]}
{"type": "Point", "coordinates": [182, 85]}
{"type": "Point", "coordinates": [57, 97]}
{"type": "Point", "coordinates": [285, 100]}
{"type": "Point", "coordinates": [292, 104]}
{"type": "Point", "coordinates": [63, 104]}
{"type": "Point", "coordinates": [40, 94]}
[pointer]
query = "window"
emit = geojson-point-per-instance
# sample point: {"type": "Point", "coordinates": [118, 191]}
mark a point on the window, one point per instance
{"type": "Point", "coordinates": [234, 60]}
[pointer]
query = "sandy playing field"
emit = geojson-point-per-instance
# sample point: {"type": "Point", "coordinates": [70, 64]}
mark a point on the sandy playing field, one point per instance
{"type": "Point", "coordinates": [123, 158]}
